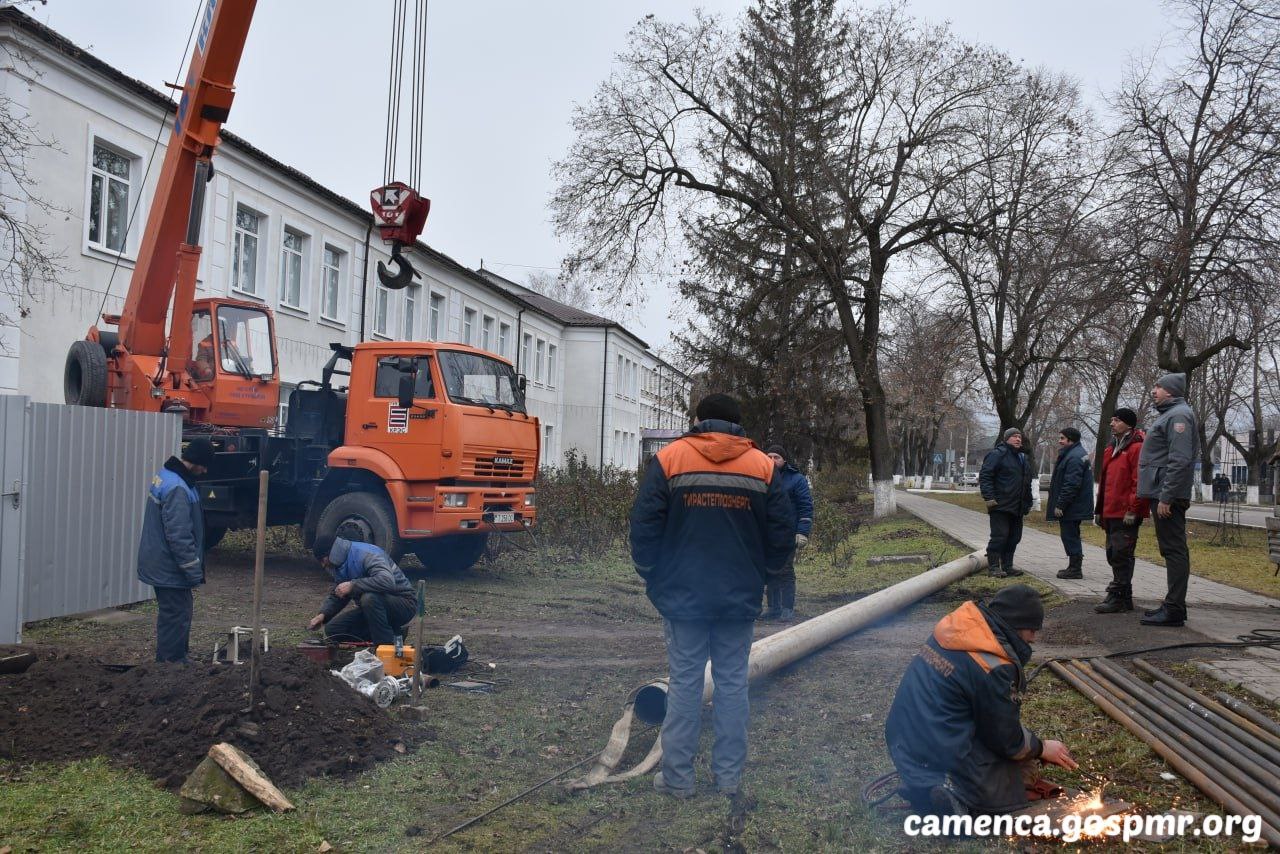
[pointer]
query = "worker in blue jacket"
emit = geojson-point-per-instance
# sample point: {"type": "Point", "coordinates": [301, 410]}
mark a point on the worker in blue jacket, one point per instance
{"type": "Point", "coordinates": [955, 730]}
{"type": "Point", "coordinates": [384, 598]}
{"type": "Point", "coordinates": [1071, 498]}
{"type": "Point", "coordinates": [780, 592]}
{"type": "Point", "coordinates": [171, 551]}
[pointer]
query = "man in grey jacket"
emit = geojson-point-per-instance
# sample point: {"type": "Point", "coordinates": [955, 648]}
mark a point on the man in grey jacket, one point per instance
{"type": "Point", "coordinates": [384, 598]}
{"type": "Point", "coordinates": [1166, 471]}
{"type": "Point", "coordinates": [171, 551]}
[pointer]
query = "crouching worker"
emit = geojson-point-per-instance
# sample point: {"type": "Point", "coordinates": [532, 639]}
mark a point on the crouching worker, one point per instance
{"type": "Point", "coordinates": [384, 599]}
{"type": "Point", "coordinates": [955, 730]}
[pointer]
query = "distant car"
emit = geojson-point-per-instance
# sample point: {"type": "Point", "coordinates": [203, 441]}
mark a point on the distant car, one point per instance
{"type": "Point", "coordinates": [969, 478]}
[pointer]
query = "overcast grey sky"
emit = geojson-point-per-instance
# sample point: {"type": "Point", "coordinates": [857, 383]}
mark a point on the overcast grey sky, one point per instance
{"type": "Point", "coordinates": [503, 77]}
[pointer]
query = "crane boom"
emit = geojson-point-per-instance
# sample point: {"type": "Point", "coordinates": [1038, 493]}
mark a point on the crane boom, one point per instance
{"type": "Point", "coordinates": [206, 102]}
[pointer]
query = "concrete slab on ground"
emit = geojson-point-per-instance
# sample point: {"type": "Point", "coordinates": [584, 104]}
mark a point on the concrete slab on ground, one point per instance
{"type": "Point", "coordinates": [1260, 678]}
{"type": "Point", "coordinates": [112, 617]}
{"type": "Point", "coordinates": [1217, 610]}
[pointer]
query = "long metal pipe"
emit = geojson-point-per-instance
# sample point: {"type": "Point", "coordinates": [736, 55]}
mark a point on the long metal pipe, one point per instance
{"type": "Point", "coordinates": [1209, 703]}
{"type": "Point", "coordinates": [1249, 712]}
{"type": "Point", "coordinates": [1192, 771]}
{"type": "Point", "coordinates": [792, 644]}
{"type": "Point", "coordinates": [1228, 761]}
{"type": "Point", "coordinates": [1228, 729]}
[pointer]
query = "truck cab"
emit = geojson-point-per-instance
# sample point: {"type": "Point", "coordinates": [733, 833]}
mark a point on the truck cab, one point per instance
{"type": "Point", "coordinates": [429, 448]}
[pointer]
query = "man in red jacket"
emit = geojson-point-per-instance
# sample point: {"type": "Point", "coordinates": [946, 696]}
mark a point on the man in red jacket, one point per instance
{"type": "Point", "coordinates": [1119, 511]}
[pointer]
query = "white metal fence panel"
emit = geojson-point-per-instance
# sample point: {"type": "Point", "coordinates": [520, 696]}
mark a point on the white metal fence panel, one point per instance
{"type": "Point", "coordinates": [13, 429]}
{"type": "Point", "coordinates": [86, 475]}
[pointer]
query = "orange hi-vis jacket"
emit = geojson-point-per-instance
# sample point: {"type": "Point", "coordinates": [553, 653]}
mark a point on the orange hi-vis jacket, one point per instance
{"type": "Point", "coordinates": [710, 523]}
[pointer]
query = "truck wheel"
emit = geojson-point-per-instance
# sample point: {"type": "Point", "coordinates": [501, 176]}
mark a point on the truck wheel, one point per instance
{"type": "Point", "coordinates": [453, 553]}
{"type": "Point", "coordinates": [84, 379]}
{"type": "Point", "coordinates": [213, 536]}
{"type": "Point", "coordinates": [363, 517]}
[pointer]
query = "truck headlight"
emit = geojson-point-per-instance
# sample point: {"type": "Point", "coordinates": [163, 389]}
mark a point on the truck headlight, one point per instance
{"type": "Point", "coordinates": [455, 499]}
{"type": "Point", "coordinates": [528, 499]}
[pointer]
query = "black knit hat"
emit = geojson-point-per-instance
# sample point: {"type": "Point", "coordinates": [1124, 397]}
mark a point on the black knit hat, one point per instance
{"type": "Point", "coordinates": [719, 407]}
{"type": "Point", "coordinates": [775, 448]}
{"type": "Point", "coordinates": [199, 452]}
{"type": "Point", "coordinates": [1127, 415]}
{"type": "Point", "coordinates": [1072, 434]}
{"type": "Point", "coordinates": [1018, 605]}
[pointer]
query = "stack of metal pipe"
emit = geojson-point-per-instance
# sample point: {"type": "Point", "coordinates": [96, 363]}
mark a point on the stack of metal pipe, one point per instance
{"type": "Point", "coordinates": [1231, 756]}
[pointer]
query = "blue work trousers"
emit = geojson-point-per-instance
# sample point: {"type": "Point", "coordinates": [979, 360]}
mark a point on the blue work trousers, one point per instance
{"type": "Point", "coordinates": [727, 643]}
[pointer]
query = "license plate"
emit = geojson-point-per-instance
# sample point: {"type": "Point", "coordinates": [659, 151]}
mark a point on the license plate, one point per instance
{"type": "Point", "coordinates": [504, 518]}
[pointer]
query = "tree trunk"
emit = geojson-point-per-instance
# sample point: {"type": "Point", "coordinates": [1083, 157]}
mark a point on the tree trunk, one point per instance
{"type": "Point", "coordinates": [884, 498]}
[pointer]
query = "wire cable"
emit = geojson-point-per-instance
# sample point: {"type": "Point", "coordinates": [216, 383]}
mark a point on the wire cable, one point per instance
{"type": "Point", "coordinates": [146, 173]}
{"type": "Point", "coordinates": [1254, 638]}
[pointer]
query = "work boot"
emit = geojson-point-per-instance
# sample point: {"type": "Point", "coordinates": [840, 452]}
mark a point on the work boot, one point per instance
{"type": "Point", "coordinates": [660, 785]}
{"type": "Point", "coordinates": [1119, 600]}
{"type": "Point", "coordinates": [1073, 569]}
{"type": "Point", "coordinates": [774, 599]}
{"type": "Point", "coordinates": [994, 568]}
{"type": "Point", "coordinates": [1011, 570]}
{"type": "Point", "coordinates": [787, 601]}
{"type": "Point", "coordinates": [1169, 616]}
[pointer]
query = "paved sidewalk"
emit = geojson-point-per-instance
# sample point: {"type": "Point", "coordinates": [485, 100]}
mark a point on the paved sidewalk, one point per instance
{"type": "Point", "coordinates": [1218, 611]}
{"type": "Point", "coordinates": [1041, 554]}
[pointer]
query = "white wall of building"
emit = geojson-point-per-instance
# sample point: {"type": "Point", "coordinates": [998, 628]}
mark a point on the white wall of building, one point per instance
{"type": "Point", "coordinates": [570, 376]}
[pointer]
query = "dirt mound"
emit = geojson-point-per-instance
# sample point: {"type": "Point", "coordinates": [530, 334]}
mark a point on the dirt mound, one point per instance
{"type": "Point", "coordinates": [162, 718]}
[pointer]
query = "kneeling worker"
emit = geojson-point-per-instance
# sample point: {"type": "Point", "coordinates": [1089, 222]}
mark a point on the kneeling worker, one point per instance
{"type": "Point", "coordinates": [384, 598]}
{"type": "Point", "coordinates": [955, 730]}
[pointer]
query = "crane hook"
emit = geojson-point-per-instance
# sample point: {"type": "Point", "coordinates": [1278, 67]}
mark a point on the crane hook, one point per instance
{"type": "Point", "coordinates": [404, 275]}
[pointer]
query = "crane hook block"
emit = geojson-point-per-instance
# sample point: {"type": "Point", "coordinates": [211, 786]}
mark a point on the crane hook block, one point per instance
{"type": "Point", "coordinates": [404, 275]}
{"type": "Point", "coordinates": [400, 214]}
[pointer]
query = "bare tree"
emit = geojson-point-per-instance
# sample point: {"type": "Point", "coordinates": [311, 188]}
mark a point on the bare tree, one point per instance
{"type": "Point", "coordinates": [1029, 285]}
{"type": "Point", "coordinates": [28, 264]}
{"type": "Point", "coordinates": [837, 133]}
{"type": "Point", "coordinates": [571, 291]}
{"type": "Point", "coordinates": [1202, 168]}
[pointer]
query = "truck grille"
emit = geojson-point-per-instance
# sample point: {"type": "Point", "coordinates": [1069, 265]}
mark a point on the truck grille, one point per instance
{"type": "Point", "coordinates": [496, 464]}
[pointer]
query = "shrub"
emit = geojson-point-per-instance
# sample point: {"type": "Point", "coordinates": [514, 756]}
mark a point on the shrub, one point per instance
{"type": "Point", "coordinates": [582, 510]}
{"type": "Point", "coordinates": [838, 508]}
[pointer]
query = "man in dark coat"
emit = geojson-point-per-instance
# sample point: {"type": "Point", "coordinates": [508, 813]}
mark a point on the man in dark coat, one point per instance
{"type": "Point", "coordinates": [1221, 488]}
{"type": "Point", "coordinates": [1166, 470]}
{"type": "Point", "coordinates": [384, 598]}
{"type": "Point", "coordinates": [171, 551]}
{"type": "Point", "coordinates": [710, 524]}
{"type": "Point", "coordinates": [780, 593]}
{"type": "Point", "coordinates": [1071, 498]}
{"type": "Point", "coordinates": [955, 730]}
{"type": "Point", "coordinates": [1119, 511]}
{"type": "Point", "coordinates": [1005, 484]}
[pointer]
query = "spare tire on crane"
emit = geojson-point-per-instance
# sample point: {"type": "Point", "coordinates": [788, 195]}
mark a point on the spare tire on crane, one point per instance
{"type": "Point", "coordinates": [84, 379]}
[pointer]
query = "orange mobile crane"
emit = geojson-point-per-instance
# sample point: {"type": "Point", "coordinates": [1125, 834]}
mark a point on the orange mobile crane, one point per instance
{"type": "Point", "coordinates": [427, 449]}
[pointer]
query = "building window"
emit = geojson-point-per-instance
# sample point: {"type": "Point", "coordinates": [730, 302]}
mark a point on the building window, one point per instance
{"type": "Point", "coordinates": [619, 378]}
{"type": "Point", "coordinates": [244, 267]}
{"type": "Point", "coordinates": [109, 191]}
{"type": "Point", "coordinates": [282, 414]}
{"type": "Point", "coordinates": [548, 449]}
{"type": "Point", "coordinates": [292, 250]}
{"type": "Point", "coordinates": [381, 301]}
{"type": "Point", "coordinates": [331, 278]}
{"type": "Point", "coordinates": [539, 359]}
{"type": "Point", "coordinates": [410, 310]}
{"type": "Point", "coordinates": [526, 350]}
{"type": "Point", "coordinates": [468, 326]}
{"type": "Point", "coordinates": [504, 338]}
{"type": "Point", "coordinates": [486, 334]}
{"type": "Point", "coordinates": [434, 313]}
{"type": "Point", "coordinates": [551, 365]}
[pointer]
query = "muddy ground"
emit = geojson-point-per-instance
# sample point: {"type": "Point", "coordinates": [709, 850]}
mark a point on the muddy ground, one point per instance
{"type": "Point", "coordinates": [562, 646]}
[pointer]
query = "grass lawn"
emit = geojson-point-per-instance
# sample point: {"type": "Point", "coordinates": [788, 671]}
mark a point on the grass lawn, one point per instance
{"type": "Point", "coordinates": [570, 642]}
{"type": "Point", "coordinates": [1245, 566]}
